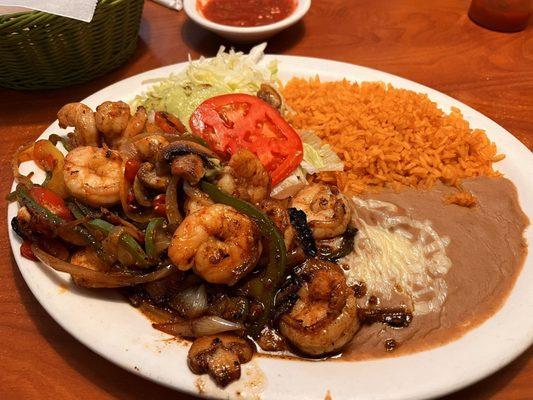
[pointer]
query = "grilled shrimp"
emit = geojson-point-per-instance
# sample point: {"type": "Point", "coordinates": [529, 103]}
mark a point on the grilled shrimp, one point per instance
{"type": "Point", "coordinates": [220, 244]}
{"type": "Point", "coordinates": [136, 123]}
{"type": "Point", "coordinates": [324, 318]}
{"type": "Point", "coordinates": [81, 117]}
{"type": "Point", "coordinates": [245, 177]}
{"type": "Point", "coordinates": [92, 175]}
{"type": "Point", "coordinates": [279, 215]}
{"type": "Point", "coordinates": [328, 212]}
{"type": "Point", "coordinates": [149, 146]}
{"type": "Point", "coordinates": [220, 356]}
{"type": "Point", "coordinates": [111, 119]}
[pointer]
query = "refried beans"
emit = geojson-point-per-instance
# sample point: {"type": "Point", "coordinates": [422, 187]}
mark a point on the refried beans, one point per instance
{"type": "Point", "coordinates": [487, 250]}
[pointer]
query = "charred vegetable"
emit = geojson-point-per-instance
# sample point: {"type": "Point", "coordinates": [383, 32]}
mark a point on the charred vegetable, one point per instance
{"type": "Point", "coordinates": [303, 231]}
{"type": "Point", "coordinates": [39, 202]}
{"type": "Point", "coordinates": [55, 139]}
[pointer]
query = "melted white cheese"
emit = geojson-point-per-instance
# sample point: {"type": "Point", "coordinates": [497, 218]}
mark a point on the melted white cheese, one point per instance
{"type": "Point", "coordinates": [389, 258]}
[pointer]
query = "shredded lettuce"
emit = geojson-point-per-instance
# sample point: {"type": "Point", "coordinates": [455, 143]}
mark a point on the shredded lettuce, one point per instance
{"type": "Point", "coordinates": [228, 72]}
{"type": "Point", "coordinates": [290, 185]}
{"type": "Point", "coordinates": [318, 157]}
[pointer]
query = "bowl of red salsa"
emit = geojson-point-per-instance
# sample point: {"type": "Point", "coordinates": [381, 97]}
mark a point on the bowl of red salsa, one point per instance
{"type": "Point", "coordinates": [246, 20]}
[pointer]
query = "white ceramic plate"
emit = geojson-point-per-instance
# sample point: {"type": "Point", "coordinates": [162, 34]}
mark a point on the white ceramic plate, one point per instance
{"type": "Point", "coordinates": [116, 331]}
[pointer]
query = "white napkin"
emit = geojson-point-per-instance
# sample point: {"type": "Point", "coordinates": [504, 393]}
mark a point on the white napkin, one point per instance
{"type": "Point", "coordinates": [174, 4]}
{"type": "Point", "coordinates": [82, 10]}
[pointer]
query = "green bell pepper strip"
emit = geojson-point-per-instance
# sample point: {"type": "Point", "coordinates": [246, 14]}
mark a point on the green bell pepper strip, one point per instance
{"type": "Point", "coordinates": [86, 211]}
{"type": "Point", "coordinates": [262, 288]}
{"type": "Point", "coordinates": [97, 245]}
{"type": "Point", "coordinates": [126, 241]}
{"type": "Point", "coordinates": [35, 208]}
{"type": "Point", "coordinates": [24, 197]}
{"type": "Point", "coordinates": [149, 240]}
{"type": "Point", "coordinates": [75, 210]}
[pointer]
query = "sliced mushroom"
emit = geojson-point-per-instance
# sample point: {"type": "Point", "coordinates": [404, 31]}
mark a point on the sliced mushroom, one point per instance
{"type": "Point", "coordinates": [181, 148]}
{"type": "Point", "coordinates": [190, 167]}
{"type": "Point", "coordinates": [148, 176]}
{"type": "Point", "coordinates": [220, 356]}
{"type": "Point", "coordinates": [269, 95]}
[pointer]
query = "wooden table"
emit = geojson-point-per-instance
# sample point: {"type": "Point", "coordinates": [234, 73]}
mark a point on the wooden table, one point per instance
{"type": "Point", "coordinates": [433, 43]}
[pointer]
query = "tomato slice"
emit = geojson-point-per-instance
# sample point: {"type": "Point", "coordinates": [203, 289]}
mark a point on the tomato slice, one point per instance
{"type": "Point", "coordinates": [231, 122]}
{"type": "Point", "coordinates": [51, 201]}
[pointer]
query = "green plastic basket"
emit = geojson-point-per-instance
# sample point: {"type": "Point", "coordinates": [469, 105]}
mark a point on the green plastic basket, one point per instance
{"type": "Point", "coordinates": [40, 50]}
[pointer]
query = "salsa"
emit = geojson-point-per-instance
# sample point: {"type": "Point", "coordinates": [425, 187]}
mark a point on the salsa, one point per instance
{"type": "Point", "coordinates": [246, 13]}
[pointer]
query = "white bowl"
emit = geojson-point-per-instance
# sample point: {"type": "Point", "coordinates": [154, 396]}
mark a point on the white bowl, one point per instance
{"type": "Point", "coordinates": [245, 34]}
